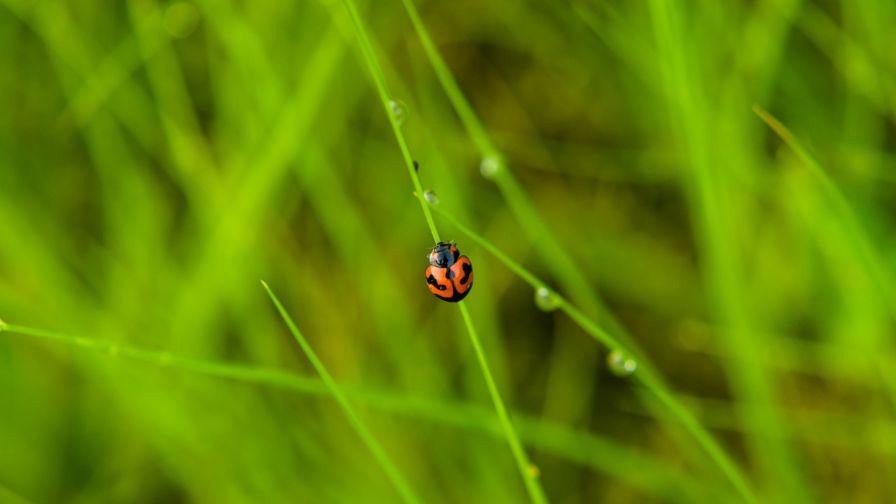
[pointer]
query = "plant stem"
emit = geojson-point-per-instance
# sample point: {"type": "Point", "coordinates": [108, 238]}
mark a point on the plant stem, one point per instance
{"type": "Point", "coordinates": [645, 374]}
{"type": "Point", "coordinates": [525, 467]}
{"type": "Point", "coordinates": [366, 437]}
{"type": "Point", "coordinates": [533, 487]}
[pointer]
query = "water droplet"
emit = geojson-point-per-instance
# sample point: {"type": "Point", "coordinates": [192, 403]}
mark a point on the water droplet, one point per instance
{"type": "Point", "coordinates": [430, 197]}
{"type": "Point", "coordinates": [534, 471]}
{"type": "Point", "coordinates": [621, 364]}
{"type": "Point", "coordinates": [545, 299]}
{"type": "Point", "coordinates": [489, 167]}
{"type": "Point", "coordinates": [181, 19]}
{"type": "Point", "coordinates": [399, 111]}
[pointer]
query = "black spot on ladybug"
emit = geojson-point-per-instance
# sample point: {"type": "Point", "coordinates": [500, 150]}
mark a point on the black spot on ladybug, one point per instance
{"type": "Point", "coordinates": [468, 268]}
{"type": "Point", "coordinates": [432, 281]}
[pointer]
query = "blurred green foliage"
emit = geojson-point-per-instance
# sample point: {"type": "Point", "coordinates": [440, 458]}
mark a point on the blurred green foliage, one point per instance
{"type": "Point", "coordinates": [158, 159]}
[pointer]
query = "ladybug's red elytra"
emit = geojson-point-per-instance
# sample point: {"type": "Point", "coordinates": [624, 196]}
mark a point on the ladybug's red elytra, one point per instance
{"type": "Point", "coordinates": [449, 275]}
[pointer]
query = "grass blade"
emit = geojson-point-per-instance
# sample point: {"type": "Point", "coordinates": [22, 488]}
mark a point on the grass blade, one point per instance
{"type": "Point", "coordinates": [523, 464]}
{"type": "Point", "coordinates": [533, 487]}
{"type": "Point", "coordinates": [655, 476]}
{"type": "Point", "coordinates": [645, 374]}
{"type": "Point", "coordinates": [366, 437]}
{"type": "Point", "coordinates": [866, 252]}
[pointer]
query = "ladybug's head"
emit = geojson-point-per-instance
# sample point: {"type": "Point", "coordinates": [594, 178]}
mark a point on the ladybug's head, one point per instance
{"type": "Point", "coordinates": [443, 255]}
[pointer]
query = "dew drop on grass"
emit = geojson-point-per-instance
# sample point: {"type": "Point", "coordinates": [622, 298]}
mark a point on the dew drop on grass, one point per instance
{"type": "Point", "coordinates": [399, 111]}
{"type": "Point", "coordinates": [181, 19]}
{"type": "Point", "coordinates": [489, 167]}
{"type": "Point", "coordinates": [621, 364]}
{"type": "Point", "coordinates": [430, 197]}
{"type": "Point", "coordinates": [545, 299]}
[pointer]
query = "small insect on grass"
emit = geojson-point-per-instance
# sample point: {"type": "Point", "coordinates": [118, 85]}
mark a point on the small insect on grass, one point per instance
{"type": "Point", "coordinates": [449, 274]}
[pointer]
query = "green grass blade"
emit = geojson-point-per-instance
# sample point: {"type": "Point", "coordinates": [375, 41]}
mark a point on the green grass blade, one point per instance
{"type": "Point", "coordinates": [533, 487]}
{"type": "Point", "coordinates": [525, 467]}
{"type": "Point", "coordinates": [366, 437]}
{"type": "Point", "coordinates": [870, 257]}
{"type": "Point", "coordinates": [713, 207]}
{"type": "Point", "coordinates": [655, 476]}
{"type": "Point", "coordinates": [569, 367]}
{"type": "Point", "coordinates": [859, 239]}
{"type": "Point", "coordinates": [649, 378]}
{"type": "Point", "coordinates": [556, 259]}
{"type": "Point", "coordinates": [245, 374]}
{"type": "Point", "coordinates": [380, 83]}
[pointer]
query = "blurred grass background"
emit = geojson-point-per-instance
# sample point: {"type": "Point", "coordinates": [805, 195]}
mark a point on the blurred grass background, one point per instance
{"type": "Point", "coordinates": [158, 159]}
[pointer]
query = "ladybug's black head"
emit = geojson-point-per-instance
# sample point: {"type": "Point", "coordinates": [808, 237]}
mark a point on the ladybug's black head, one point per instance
{"type": "Point", "coordinates": [443, 255]}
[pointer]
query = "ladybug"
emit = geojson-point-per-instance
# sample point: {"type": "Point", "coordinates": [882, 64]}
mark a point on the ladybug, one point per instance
{"type": "Point", "coordinates": [449, 275]}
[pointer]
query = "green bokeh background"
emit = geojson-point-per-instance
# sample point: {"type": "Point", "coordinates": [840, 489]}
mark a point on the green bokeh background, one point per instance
{"type": "Point", "coordinates": [158, 159]}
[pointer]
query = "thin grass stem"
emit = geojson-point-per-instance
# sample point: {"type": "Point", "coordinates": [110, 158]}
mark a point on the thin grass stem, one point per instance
{"type": "Point", "coordinates": [533, 487]}
{"type": "Point", "coordinates": [525, 467]}
{"type": "Point", "coordinates": [645, 374]}
{"type": "Point", "coordinates": [361, 429]}
{"type": "Point", "coordinates": [598, 453]}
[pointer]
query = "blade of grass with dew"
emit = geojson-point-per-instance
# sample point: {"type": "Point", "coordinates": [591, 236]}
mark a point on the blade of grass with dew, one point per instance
{"type": "Point", "coordinates": [823, 429]}
{"type": "Point", "coordinates": [126, 243]}
{"type": "Point", "coordinates": [347, 226]}
{"type": "Point", "coordinates": [366, 437]}
{"type": "Point", "coordinates": [484, 311]}
{"type": "Point", "coordinates": [379, 81]}
{"type": "Point", "coordinates": [556, 259]}
{"type": "Point", "coordinates": [568, 362]}
{"type": "Point", "coordinates": [533, 486]}
{"type": "Point", "coordinates": [649, 378]}
{"type": "Point", "coordinates": [642, 471]}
